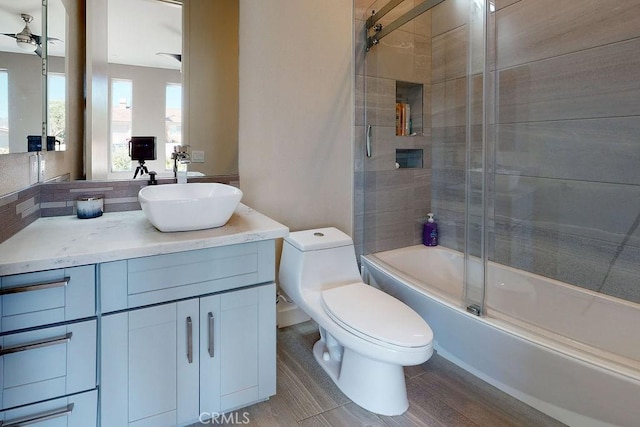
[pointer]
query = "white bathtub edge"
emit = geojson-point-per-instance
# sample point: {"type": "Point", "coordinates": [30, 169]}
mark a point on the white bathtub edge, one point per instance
{"type": "Point", "coordinates": [560, 414]}
{"type": "Point", "coordinates": [583, 394]}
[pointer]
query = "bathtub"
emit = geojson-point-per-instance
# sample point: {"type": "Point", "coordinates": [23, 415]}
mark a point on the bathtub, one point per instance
{"type": "Point", "coordinates": [576, 358]}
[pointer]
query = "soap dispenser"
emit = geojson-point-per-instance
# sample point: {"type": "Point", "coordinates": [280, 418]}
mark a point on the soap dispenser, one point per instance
{"type": "Point", "coordinates": [430, 231]}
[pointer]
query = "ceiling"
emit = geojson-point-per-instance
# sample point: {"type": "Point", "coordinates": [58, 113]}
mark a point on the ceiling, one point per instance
{"type": "Point", "coordinates": [138, 29]}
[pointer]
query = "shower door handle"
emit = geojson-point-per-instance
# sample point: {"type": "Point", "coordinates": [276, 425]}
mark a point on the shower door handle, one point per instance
{"type": "Point", "coordinates": [368, 142]}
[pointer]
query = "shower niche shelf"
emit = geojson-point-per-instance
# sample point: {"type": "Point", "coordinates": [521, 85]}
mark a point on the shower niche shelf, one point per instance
{"type": "Point", "coordinates": [409, 158]}
{"type": "Point", "coordinates": [409, 108]}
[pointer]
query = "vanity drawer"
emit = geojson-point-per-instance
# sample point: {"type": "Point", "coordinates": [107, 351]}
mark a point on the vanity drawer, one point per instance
{"type": "Point", "coordinates": [156, 279]}
{"type": "Point", "coordinates": [47, 363]}
{"type": "Point", "coordinates": [45, 297]}
{"type": "Point", "coordinates": [79, 410]}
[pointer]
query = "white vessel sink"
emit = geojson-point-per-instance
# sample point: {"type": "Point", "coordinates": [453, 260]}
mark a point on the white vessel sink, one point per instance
{"type": "Point", "coordinates": [185, 207]}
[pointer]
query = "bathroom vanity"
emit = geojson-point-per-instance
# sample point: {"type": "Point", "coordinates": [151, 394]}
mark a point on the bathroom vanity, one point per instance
{"type": "Point", "coordinates": [110, 322]}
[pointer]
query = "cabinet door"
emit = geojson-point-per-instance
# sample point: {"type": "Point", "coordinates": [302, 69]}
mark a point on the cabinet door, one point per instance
{"type": "Point", "coordinates": [152, 352]}
{"type": "Point", "coordinates": [237, 349]}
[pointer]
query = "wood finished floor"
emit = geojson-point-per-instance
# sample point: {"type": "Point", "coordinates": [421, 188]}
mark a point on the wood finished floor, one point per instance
{"type": "Point", "coordinates": [440, 394]}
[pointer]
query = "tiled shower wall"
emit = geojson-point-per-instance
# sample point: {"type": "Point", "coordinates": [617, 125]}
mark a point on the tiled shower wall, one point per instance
{"type": "Point", "coordinates": [563, 147]}
{"type": "Point", "coordinates": [390, 204]}
{"type": "Point", "coordinates": [568, 142]}
{"type": "Point", "coordinates": [451, 34]}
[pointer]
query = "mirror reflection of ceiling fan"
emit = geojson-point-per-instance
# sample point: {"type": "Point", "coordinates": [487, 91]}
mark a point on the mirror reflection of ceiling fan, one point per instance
{"type": "Point", "coordinates": [176, 56]}
{"type": "Point", "coordinates": [28, 41]}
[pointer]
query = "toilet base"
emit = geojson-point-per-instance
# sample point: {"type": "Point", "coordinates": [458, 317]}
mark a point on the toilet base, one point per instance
{"type": "Point", "coordinates": [376, 386]}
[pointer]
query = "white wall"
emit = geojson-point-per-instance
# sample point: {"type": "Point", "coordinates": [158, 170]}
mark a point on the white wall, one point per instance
{"type": "Point", "coordinates": [296, 111]}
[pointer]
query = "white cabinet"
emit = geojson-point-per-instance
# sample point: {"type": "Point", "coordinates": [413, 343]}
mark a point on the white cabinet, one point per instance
{"type": "Point", "coordinates": [237, 348]}
{"type": "Point", "coordinates": [78, 410]}
{"type": "Point", "coordinates": [152, 341]}
{"type": "Point", "coordinates": [180, 359]}
{"type": "Point", "coordinates": [47, 363]}
{"type": "Point", "coordinates": [45, 297]}
{"type": "Point", "coordinates": [48, 348]}
{"type": "Point", "coordinates": [149, 365]}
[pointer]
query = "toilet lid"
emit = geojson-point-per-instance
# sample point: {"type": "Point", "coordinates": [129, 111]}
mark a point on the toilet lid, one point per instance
{"type": "Point", "coordinates": [373, 314]}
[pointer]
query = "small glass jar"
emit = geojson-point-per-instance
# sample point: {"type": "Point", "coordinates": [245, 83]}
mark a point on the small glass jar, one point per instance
{"type": "Point", "coordinates": [89, 206]}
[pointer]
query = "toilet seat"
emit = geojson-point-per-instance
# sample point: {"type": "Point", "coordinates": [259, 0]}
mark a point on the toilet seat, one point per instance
{"type": "Point", "coordinates": [376, 316]}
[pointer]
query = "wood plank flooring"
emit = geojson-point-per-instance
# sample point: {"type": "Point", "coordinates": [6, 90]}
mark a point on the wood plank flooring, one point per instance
{"type": "Point", "coordinates": [440, 394]}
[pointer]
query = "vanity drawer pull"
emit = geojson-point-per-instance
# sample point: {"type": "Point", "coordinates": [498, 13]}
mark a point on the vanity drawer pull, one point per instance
{"type": "Point", "coordinates": [36, 287]}
{"type": "Point", "coordinates": [38, 344]}
{"type": "Point", "coordinates": [189, 340]}
{"type": "Point", "coordinates": [211, 324]}
{"type": "Point", "coordinates": [49, 415]}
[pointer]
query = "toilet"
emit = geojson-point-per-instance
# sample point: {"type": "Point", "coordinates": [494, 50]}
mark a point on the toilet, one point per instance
{"type": "Point", "coordinates": [366, 335]}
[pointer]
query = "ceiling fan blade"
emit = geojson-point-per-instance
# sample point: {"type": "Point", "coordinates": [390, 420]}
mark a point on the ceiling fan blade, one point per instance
{"type": "Point", "coordinates": [38, 51]}
{"type": "Point", "coordinates": [176, 56]}
{"type": "Point", "coordinates": [9, 35]}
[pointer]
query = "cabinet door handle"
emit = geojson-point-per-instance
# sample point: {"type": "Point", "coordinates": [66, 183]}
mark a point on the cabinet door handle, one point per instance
{"type": "Point", "coordinates": [49, 415]}
{"type": "Point", "coordinates": [189, 340]}
{"type": "Point", "coordinates": [368, 143]}
{"type": "Point", "coordinates": [36, 287]}
{"type": "Point", "coordinates": [211, 324]}
{"type": "Point", "coordinates": [38, 344]}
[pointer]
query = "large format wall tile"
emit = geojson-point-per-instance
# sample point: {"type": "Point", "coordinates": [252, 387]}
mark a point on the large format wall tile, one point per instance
{"type": "Point", "coordinates": [605, 150]}
{"type": "Point", "coordinates": [599, 211]}
{"type": "Point", "coordinates": [380, 101]}
{"type": "Point", "coordinates": [501, 4]}
{"type": "Point", "coordinates": [599, 82]}
{"type": "Point", "coordinates": [449, 103]}
{"type": "Point", "coordinates": [449, 15]}
{"type": "Point", "coordinates": [449, 53]}
{"type": "Point", "coordinates": [395, 206]}
{"type": "Point", "coordinates": [401, 56]}
{"type": "Point", "coordinates": [533, 30]}
{"type": "Point", "coordinates": [622, 278]}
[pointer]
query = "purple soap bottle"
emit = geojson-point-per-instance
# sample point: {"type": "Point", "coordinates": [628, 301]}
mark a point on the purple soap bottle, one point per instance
{"type": "Point", "coordinates": [430, 232]}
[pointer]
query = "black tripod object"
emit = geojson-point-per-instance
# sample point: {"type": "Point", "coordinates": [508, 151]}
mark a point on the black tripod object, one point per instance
{"type": "Point", "coordinates": [140, 168]}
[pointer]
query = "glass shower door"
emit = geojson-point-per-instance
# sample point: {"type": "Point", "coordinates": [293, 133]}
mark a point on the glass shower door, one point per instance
{"type": "Point", "coordinates": [420, 138]}
{"type": "Point", "coordinates": [393, 162]}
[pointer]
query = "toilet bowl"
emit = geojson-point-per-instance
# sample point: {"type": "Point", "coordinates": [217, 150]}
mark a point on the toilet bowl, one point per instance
{"type": "Point", "coordinates": [366, 335]}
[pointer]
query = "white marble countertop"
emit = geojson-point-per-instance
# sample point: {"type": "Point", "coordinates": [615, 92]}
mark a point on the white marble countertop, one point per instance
{"type": "Point", "coordinates": [66, 241]}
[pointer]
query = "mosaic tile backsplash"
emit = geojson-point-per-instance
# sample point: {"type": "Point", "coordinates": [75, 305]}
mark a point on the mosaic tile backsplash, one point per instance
{"type": "Point", "coordinates": [19, 209]}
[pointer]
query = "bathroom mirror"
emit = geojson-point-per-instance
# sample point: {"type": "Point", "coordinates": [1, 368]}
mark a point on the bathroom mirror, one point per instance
{"type": "Point", "coordinates": [20, 74]}
{"type": "Point", "coordinates": [141, 69]}
{"type": "Point", "coordinates": [135, 83]}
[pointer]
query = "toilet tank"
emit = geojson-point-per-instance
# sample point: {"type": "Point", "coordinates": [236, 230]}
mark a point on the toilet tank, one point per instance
{"type": "Point", "coordinates": [317, 259]}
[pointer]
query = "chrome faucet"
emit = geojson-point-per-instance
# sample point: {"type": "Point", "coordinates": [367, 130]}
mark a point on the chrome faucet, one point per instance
{"type": "Point", "coordinates": [181, 160]}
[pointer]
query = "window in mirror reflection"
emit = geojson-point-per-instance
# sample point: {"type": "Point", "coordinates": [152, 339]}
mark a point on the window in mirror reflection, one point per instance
{"type": "Point", "coordinates": [173, 121]}
{"type": "Point", "coordinates": [120, 124]}
{"type": "Point", "coordinates": [56, 97]}
{"type": "Point", "coordinates": [4, 112]}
